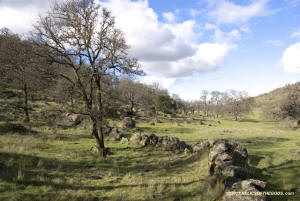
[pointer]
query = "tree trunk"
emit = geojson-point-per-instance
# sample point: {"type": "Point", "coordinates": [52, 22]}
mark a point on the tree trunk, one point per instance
{"type": "Point", "coordinates": [98, 134]}
{"type": "Point", "coordinates": [235, 117]}
{"type": "Point", "coordinates": [25, 89]}
{"type": "Point", "coordinates": [298, 123]}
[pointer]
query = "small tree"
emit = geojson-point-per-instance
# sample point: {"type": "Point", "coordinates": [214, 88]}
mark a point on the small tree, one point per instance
{"type": "Point", "coordinates": [89, 45]}
{"type": "Point", "coordinates": [239, 103]}
{"type": "Point", "coordinates": [164, 103]}
{"type": "Point", "coordinates": [290, 107]}
{"type": "Point", "coordinates": [130, 93]}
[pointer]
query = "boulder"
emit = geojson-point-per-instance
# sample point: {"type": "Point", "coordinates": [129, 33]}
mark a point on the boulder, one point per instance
{"type": "Point", "coordinates": [106, 130]}
{"type": "Point", "coordinates": [248, 190]}
{"type": "Point", "coordinates": [94, 149]}
{"type": "Point", "coordinates": [153, 139]}
{"type": "Point", "coordinates": [114, 135]}
{"type": "Point", "coordinates": [136, 138]}
{"type": "Point", "coordinates": [128, 123]}
{"type": "Point", "coordinates": [233, 171]}
{"type": "Point", "coordinates": [196, 148]}
{"type": "Point", "coordinates": [144, 140]}
{"type": "Point", "coordinates": [124, 140]}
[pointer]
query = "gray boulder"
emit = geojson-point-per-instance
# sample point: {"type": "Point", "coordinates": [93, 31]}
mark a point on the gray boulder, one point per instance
{"type": "Point", "coordinates": [114, 135]}
{"type": "Point", "coordinates": [128, 123]}
{"type": "Point", "coordinates": [124, 140]}
{"type": "Point", "coordinates": [248, 190]}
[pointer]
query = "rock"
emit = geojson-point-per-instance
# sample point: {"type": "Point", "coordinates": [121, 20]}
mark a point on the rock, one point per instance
{"type": "Point", "coordinates": [243, 189]}
{"type": "Point", "coordinates": [259, 185]}
{"type": "Point", "coordinates": [158, 121]}
{"type": "Point", "coordinates": [153, 139]}
{"type": "Point", "coordinates": [226, 159]}
{"type": "Point", "coordinates": [124, 140]}
{"type": "Point", "coordinates": [152, 123]}
{"type": "Point", "coordinates": [75, 119]}
{"type": "Point", "coordinates": [227, 131]}
{"type": "Point", "coordinates": [94, 149]}
{"type": "Point", "coordinates": [209, 125]}
{"type": "Point", "coordinates": [297, 153]}
{"type": "Point", "coordinates": [233, 171]}
{"type": "Point", "coordinates": [114, 135]}
{"type": "Point", "coordinates": [96, 177]}
{"type": "Point", "coordinates": [196, 148]}
{"type": "Point", "coordinates": [144, 140]}
{"type": "Point", "coordinates": [187, 151]}
{"type": "Point", "coordinates": [178, 124]}
{"type": "Point", "coordinates": [137, 130]}
{"type": "Point", "coordinates": [136, 138]}
{"type": "Point", "coordinates": [128, 123]}
{"type": "Point", "coordinates": [106, 130]}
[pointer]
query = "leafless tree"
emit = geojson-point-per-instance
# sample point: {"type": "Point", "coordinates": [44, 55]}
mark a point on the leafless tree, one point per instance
{"type": "Point", "coordinates": [84, 39]}
{"type": "Point", "coordinates": [21, 67]}
{"type": "Point", "coordinates": [239, 103]}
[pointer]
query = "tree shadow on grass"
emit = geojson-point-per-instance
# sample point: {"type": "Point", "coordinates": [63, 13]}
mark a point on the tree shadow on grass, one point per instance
{"type": "Point", "coordinates": [15, 128]}
{"type": "Point", "coordinates": [260, 142]}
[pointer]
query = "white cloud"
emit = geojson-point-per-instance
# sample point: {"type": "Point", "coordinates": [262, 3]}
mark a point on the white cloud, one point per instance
{"type": "Point", "coordinates": [169, 16]}
{"type": "Point", "coordinates": [163, 82]}
{"type": "Point", "coordinates": [209, 26]}
{"type": "Point", "coordinates": [276, 43]}
{"type": "Point", "coordinates": [193, 12]}
{"type": "Point", "coordinates": [227, 12]}
{"type": "Point", "coordinates": [20, 15]}
{"type": "Point", "coordinates": [208, 56]}
{"type": "Point", "coordinates": [165, 49]}
{"type": "Point", "coordinates": [296, 34]}
{"type": "Point", "coordinates": [223, 37]}
{"type": "Point", "coordinates": [290, 58]}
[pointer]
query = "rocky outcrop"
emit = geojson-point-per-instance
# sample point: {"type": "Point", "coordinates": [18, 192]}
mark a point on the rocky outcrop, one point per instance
{"type": "Point", "coordinates": [168, 143]}
{"type": "Point", "coordinates": [228, 161]}
{"type": "Point", "coordinates": [112, 133]}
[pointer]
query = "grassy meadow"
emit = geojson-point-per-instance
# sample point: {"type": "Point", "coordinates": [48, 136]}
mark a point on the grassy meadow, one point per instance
{"type": "Point", "coordinates": [43, 162]}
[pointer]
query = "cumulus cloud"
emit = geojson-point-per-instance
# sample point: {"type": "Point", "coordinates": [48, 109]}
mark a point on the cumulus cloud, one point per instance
{"type": "Point", "coordinates": [20, 15]}
{"type": "Point", "coordinates": [290, 58]}
{"type": "Point", "coordinates": [163, 82]}
{"type": "Point", "coordinates": [276, 43]}
{"type": "Point", "coordinates": [193, 12]}
{"type": "Point", "coordinates": [209, 26]}
{"type": "Point", "coordinates": [229, 12]}
{"type": "Point", "coordinates": [165, 49]}
{"type": "Point", "coordinates": [169, 16]}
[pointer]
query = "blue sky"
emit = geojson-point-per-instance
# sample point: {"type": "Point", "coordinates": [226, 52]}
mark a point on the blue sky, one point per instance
{"type": "Point", "coordinates": [192, 45]}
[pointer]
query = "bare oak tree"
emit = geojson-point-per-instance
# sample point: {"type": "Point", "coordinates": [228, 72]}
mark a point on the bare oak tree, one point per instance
{"type": "Point", "coordinates": [84, 39]}
{"type": "Point", "coordinates": [21, 67]}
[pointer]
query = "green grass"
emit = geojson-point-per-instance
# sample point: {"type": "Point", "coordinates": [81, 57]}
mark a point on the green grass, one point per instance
{"type": "Point", "coordinates": [55, 163]}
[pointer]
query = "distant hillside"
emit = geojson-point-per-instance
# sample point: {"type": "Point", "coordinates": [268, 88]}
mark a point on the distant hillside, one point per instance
{"type": "Point", "coordinates": [268, 104]}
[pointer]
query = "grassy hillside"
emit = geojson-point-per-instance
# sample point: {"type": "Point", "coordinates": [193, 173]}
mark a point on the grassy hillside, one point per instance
{"type": "Point", "coordinates": [268, 104]}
